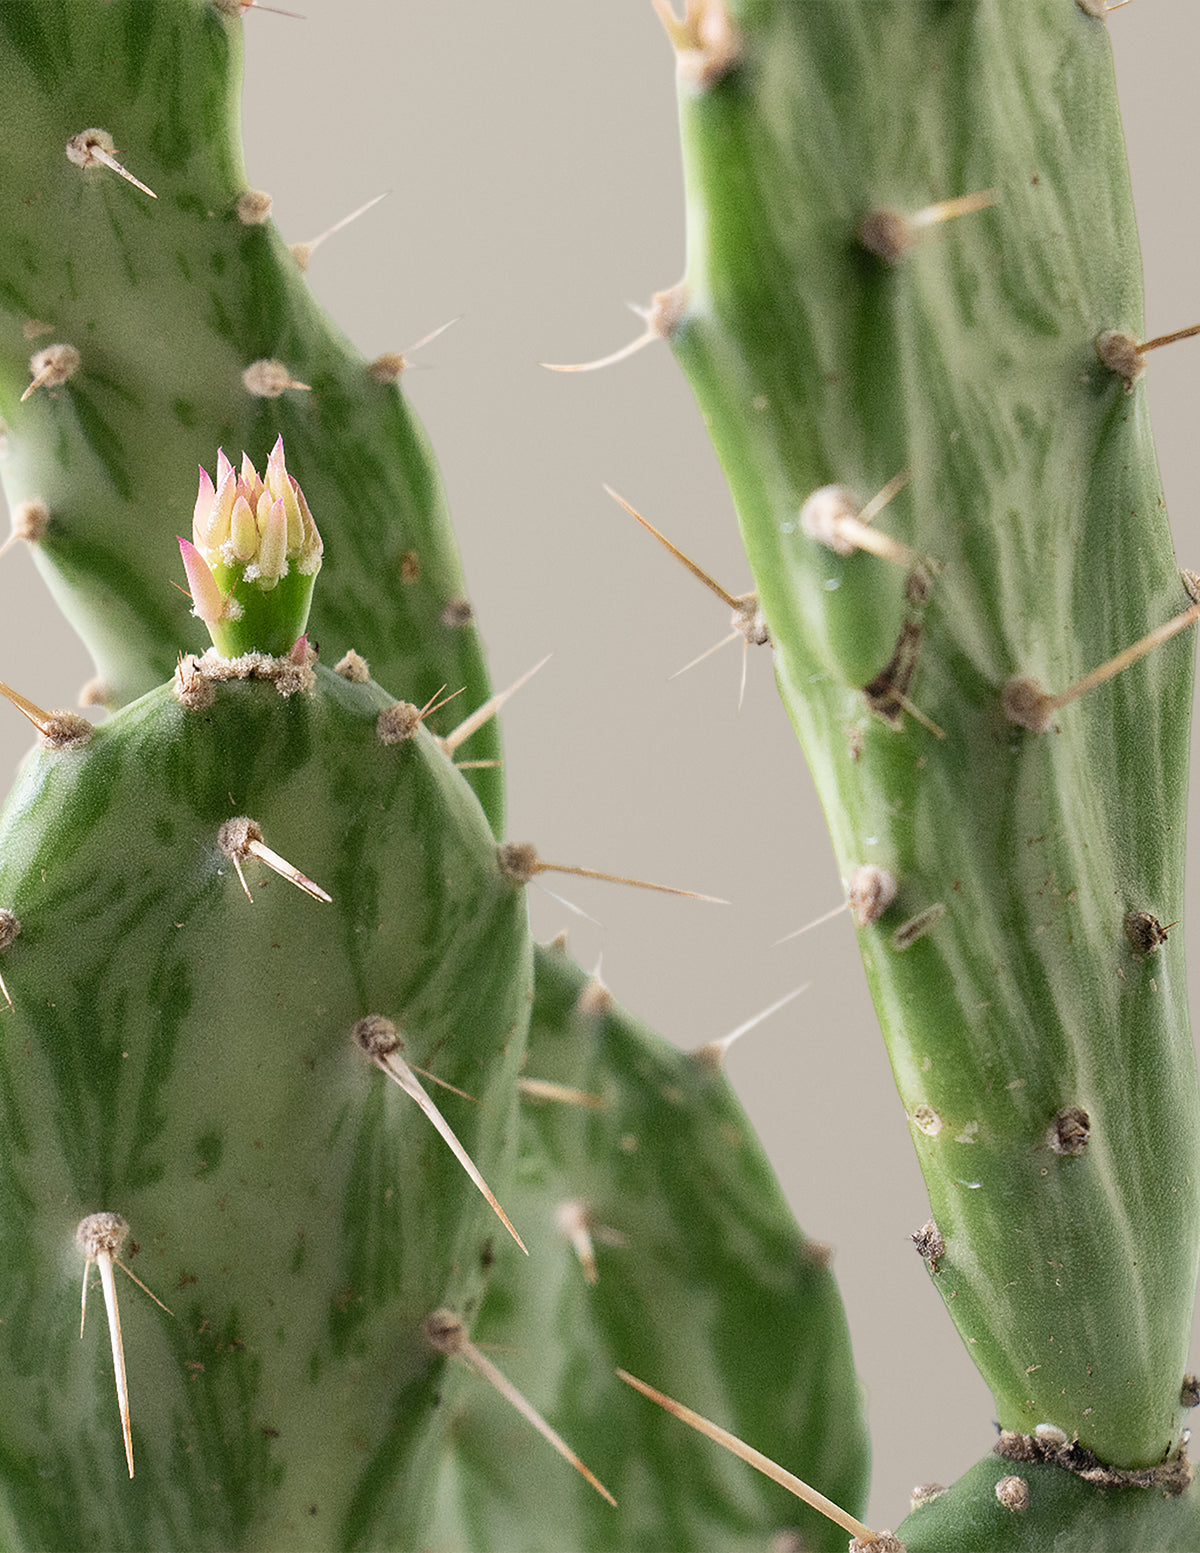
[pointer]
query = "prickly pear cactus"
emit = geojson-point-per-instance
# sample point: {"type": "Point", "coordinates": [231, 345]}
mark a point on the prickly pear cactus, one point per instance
{"type": "Point", "coordinates": [910, 317]}
{"type": "Point", "coordinates": [186, 1057]}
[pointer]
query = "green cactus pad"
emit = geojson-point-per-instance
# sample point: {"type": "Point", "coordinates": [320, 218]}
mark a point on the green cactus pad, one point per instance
{"type": "Point", "coordinates": [1064, 1514]}
{"type": "Point", "coordinates": [168, 303]}
{"type": "Point", "coordinates": [185, 1058]}
{"type": "Point", "coordinates": [704, 1287]}
{"type": "Point", "coordinates": [1013, 998]}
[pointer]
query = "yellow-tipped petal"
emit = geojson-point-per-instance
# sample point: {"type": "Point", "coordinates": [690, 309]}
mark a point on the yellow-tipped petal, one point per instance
{"type": "Point", "coordinates": [272, 544]}
{"type": "Point", "coordinates": [243, 530]}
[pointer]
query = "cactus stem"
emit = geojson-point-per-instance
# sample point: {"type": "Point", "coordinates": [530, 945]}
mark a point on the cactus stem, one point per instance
{"type": "Point", "coordinates": [388, 367]}
{"type": "Point", "coordinates": [540, 1089]}
{"type": "Point", "coordinates": [831, 516]}
{"type": "Point", "coordinates": [1027, 704]}
{"type": "Point", "coordinates": [51, 367]}
{"type": "Point", "coordinates": [660, 317]}
{"type": "Point", "coordinates": [520, 862]}
{"type": "Point", "coordinates": [889, 234]}
{"type": "Point", "coordinates": [94, 147]}
{"type": "Point", "coordinates": [469, 725]}
{"type": "Point", "coordinates": [445, 1333]}
{"type": "Point", "coordinates": [303, 252]}
{"type": "Point", "coordinates": [379, 1038]}
{"type": "Point", "coordinates": [573, 1221]}
{"type": "Point", "coordinates": [60, 729]}
{"type": "Point", "coordinates": [267, 379]}
{"type": "Point", "coordinates": [758, 1461]}
{"type": "Point", "coordinates": [713, 1053]}
{"type": "Point", "coordinates": [241, 838]}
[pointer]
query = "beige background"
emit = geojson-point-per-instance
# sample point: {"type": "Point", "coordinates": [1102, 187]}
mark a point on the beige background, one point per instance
{"type": "Point", "coordinates": [532, 159]}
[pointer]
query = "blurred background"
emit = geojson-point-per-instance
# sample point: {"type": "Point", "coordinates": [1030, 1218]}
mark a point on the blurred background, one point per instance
{"type": "Point", "coordinates": [531, 160]}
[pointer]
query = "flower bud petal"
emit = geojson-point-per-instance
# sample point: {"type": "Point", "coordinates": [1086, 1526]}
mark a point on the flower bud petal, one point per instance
{"type": "Point", "coordinates": [243, 530]}
{"type": "Point", "coordinates": [207, 600]}
{"type": "Point", "coordinates": [202, 512]}
{"type": "Point", "coordinates": [272, 545]}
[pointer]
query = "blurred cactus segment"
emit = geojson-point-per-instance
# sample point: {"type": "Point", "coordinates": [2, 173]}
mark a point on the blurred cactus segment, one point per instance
{"type": "Point", "coordinates": [908, 223]}
{"type": "Point", "coordinates": [186, 1058]}
{"type": "Point", "coordinates": [658, 1238]}
{"type": "Point", "coordinates": [180, 324]}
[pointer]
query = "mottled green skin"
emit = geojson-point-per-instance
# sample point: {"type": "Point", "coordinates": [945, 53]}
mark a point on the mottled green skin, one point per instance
{"type": "Point", "coordinates": [1065, 1515]}
{"type": "Point", "coordinates": [712, 1295]}
{"type": "Point", "coordinates": [184, 1057]}
{"type": "Point", "coordinates": [169, 300]}
{"type": "Point", "coordinates": [1034, 486]}
{"type": "Point", "coordinates": [290, 1402]}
